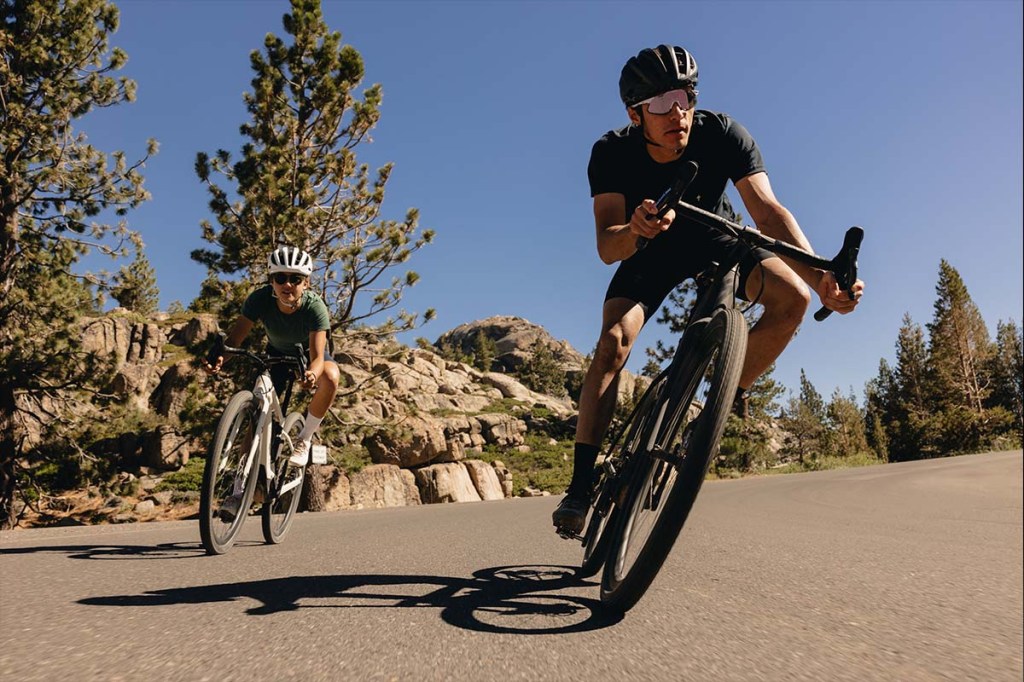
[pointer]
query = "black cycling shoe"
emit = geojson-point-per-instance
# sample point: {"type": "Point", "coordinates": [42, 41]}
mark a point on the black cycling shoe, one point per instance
{"type": "Point", "coordinates": [571, 512]}
{"type": "Point", "coordinates": [741, 405]}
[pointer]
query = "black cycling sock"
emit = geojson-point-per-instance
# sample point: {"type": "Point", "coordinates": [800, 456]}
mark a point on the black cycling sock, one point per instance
{"type": "Point", "coordinates": [583, 459]}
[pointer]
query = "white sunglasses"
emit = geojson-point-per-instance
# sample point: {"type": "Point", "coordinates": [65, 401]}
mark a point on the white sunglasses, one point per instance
{"type": "Point", "coordinates": [663, 103]}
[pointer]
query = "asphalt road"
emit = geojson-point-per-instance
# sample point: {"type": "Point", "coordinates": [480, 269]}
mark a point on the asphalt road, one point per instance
{"type": "Point", "coordinates": [897, 572]}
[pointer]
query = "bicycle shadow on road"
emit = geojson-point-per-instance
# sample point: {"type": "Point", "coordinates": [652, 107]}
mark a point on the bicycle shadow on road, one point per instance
{"type": "Point", "coordinates": [521, 600]}
{"type": "Point", "coordinates": [166, 550]}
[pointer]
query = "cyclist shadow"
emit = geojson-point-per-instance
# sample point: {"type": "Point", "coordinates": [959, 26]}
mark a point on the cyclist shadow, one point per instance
{"type": "Point", "coordinates": [507, 599]}
{"type": "Point", "coordinates": [167, 550]}
{"type": "Point", "coordinates": [100, 551]}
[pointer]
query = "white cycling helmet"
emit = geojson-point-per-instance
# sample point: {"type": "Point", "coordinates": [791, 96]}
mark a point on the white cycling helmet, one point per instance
{"type": "Point", "coordinates": [290, 259]}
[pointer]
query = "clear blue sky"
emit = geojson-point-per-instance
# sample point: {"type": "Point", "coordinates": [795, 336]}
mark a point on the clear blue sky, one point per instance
{"type": "Point", "coordinates": [902, 117]}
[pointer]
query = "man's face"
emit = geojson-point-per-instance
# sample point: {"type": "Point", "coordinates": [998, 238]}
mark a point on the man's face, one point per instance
{"type": "Point", "coordinates": [669, 129]}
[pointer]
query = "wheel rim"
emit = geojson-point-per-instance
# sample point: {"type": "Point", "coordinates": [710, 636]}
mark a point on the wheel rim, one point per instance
{"type": "Point", "coordinates": [283, 504]}
{"type": "Point", "coordinates": [661, 477]}
{"type": "Point", "coordinates": [624, 445]}
{"type": "Point", "coordinates": [287, 489]}
{"type": "Point", "coordinates": [230, 479]}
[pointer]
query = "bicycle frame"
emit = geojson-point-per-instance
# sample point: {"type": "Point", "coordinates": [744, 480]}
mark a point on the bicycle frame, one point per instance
{"type": "Point", "coordinates": [269, 406]}
{"type": "Point", "coordinates": [725, 277]}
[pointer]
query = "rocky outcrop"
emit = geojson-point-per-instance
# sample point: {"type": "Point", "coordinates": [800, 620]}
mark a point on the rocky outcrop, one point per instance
{"type": "Point", "coordinates": [423, 419]}
{"type": "Point", "coordinates": [449, 482]}
{"type": "Point", "coordinates": [515, 339]}
{"type": "Point", "coordinates": [164, 449]}
{"type": "Point", "coordinates": [485, 480]}
{"type": "Point", "coordinates": [383, 485]}
{"type": "Point", "coordinates": [510, 388]}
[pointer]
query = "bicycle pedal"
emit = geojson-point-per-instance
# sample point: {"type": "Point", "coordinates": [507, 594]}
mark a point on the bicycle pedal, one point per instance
{"type": "Point", "coordinates": [567, 534]}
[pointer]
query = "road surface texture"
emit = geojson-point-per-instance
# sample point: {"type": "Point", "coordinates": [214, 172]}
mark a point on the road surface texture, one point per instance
{"type": "Point", "coordinates": [895, 572]}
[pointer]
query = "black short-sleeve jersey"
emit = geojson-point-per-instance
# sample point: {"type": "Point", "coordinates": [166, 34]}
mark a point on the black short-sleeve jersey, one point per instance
{"type": "Point", "coordinates": [722, 148]}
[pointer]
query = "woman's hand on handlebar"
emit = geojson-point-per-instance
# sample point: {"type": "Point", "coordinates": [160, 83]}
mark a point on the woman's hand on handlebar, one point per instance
{"type": "Point", "coordinates": [215, 366]}
{"type": "Point", "coordinates": [312, 374]}
{"type": "Point", "coordinates": [836, 299]}
{"type": "Point", "coordinates": [645, 222]}
{"type": "Point", "coordinates": [309, 380]}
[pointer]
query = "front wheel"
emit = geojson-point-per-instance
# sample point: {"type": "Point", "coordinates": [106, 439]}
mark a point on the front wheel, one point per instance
{"type": "Point", "coordinates": [614, 475]}
{"type": "Point", "coordinates": [284, 491]}
{"type": "Point", "coordinates": [664, 488]}
{"type": "Point", "coordinates": [229, 478]}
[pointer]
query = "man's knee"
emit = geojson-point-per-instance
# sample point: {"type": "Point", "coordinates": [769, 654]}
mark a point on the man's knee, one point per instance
{"type": "Point", "coordinates": [789, 304]}
{"type": "Point", "coordinates": [785, 296]}
{"type": "Point", "coordinates": [798, 299]}
{"type": "Point", "coordinates": [613, 348]}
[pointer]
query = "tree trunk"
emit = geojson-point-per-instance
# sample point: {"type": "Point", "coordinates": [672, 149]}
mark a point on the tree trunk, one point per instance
{"type": "Point", "coordinates": [9, 447]}
{"type": "Point", "coordinates": [314, 490]}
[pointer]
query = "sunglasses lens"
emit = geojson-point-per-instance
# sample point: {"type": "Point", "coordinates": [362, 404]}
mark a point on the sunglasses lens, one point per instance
{"type": "Point", "coordinates": [281, 278]}
{"type": "Point", "coordinates": [663, 103]}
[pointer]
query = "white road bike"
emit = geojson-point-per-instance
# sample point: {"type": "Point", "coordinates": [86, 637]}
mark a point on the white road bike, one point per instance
{"type": "Point", "coordinates": [248, 461]}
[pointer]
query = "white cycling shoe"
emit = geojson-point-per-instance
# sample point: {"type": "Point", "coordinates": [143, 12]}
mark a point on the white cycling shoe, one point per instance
{"type": "Point", "coordinates": [229, 507]}
{"type": "Point", "coordinates": [300, 456]}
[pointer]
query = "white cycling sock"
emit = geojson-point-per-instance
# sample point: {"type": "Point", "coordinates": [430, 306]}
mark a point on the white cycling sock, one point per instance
{"type": "Point", "coordinates": [309, 427]}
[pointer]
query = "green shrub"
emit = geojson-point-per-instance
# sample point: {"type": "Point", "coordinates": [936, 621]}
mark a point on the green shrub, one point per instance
{"type": "Point", "coordinates": [188, 478]}
{"type": "Point", "coordinates": [350, 458]}
{"type": "Point", "coordinates": [545, 467]}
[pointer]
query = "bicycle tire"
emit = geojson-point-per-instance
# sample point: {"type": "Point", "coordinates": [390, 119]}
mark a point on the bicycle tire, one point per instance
{"type": "Point", "coordinates": [604, 510]}
{"type": "Point", "coordinates": [279, 508]}
{"type": "Point", "coordinates": [716, 360]}
{"type": "Point", "coordinates": [230, 446]}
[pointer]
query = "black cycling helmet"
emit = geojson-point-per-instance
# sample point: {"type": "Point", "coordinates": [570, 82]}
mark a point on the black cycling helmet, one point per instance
{"type": "Point", "coordinates": [654, 71]}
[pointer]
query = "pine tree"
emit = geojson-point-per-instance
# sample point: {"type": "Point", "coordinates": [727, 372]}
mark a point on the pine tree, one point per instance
{"type": "Point", "coordinates": [541, 372]}
{"type": "Point", "coordinates": [747, 443]}
{"type": "Point", "coordinates": [959, 350]}
{"type": "Point", "coordinates": [959, 344]}
{"type": "Point", "coordinates": [1007, 372]}
{"type": "Point", "coordinates": [845, 422]}
{"type": "Point", "coordinates": [298, 182]}
{"type": "Point", "coordinates": [911, 420]}
{"type": "Point", "coordinates": [763, 395]}
{"type": "Point", "coordinates": [803, 418]}
{"type": "Point", "coordinates": [55, 191]}
{"type": "Point", "coordinates": [879, 398]}
{"type": "Point", "coordinates": [485, 350]}
{"type": "Point", "coordinates": [134, 287]}
{"type": "Point", "coordinates": [810, 397]}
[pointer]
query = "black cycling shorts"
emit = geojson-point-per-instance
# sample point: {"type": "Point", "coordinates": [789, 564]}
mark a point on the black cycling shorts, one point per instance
{"type": "Point", "coordinates": [683, 252]}
{"type": "Point", "coordinates": [280, 373]}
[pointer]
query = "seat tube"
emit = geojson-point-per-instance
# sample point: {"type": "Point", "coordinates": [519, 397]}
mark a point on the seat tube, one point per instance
{"type": "Point", "coordinates": [264, 391]}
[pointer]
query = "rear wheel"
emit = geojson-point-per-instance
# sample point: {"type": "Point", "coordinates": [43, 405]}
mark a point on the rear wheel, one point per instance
{"type": "Point", "coordinates": [664, 487]}
{"type": "Point", "coordinates": [226, 476]}
{"type": "Point", "coordinates": [615, 473]}
{"type": "Point", "coordinates": [284, 491]}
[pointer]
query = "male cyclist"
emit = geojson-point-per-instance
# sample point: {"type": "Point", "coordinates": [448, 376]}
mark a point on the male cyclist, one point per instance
{"type": "Point", "coordinates": [292, 314]}
{"type": "Point", "coordinates": [628, 169]}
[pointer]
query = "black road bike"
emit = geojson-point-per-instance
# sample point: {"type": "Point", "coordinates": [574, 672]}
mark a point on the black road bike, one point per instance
{"type": "Point", "coordinates": [656, 461]}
